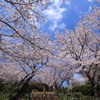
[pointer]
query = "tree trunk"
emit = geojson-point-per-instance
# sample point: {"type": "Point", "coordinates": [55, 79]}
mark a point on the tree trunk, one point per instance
{"type": "Point", "coordinates": [19, 92]}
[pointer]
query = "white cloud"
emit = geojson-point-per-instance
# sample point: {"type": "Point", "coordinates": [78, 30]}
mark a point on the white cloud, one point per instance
{"type": "Point", "coordinates": [67, 2]}
{"type": "Point", "coordinates": [90, 8]}
{"type": "Point", "coordinates": [90, 0]}
{"type": "Point", "coordinates": [62, 26]}
{"type": "Point", "coordinates": [54, 13]}
{"type": "Point", "coordinates": [53, 26]}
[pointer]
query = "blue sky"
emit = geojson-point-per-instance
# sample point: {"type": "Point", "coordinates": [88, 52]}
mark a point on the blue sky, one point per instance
{"type": "Point", "coordinates": [65, 15]}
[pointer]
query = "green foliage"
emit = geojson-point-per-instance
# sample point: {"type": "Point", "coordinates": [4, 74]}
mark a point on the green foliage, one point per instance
{"type": "Point", "coordinates": [98, 88]}
{"type": "Point", "coordinates": [3, 96]}
{"type": "Point", "coordinates": [5, 89]}
{"type": "Point", "coordinates": [84, 89]}
{"type": "Point", "coordinates": [38, 86]}
{"type": "Point", "coordinates": [2, 87]}
{"type": "Point", "coordinates": [63, 90]}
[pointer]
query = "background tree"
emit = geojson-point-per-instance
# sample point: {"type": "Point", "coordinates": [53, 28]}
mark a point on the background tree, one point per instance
{"type": "Point", "coordinates": [82, 47]}
{"type": "Point", "coordinates": [21, 45]}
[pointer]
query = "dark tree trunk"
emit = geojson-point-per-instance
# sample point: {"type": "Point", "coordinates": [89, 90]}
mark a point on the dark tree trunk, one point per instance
{"type": "Point", "coordinates": [19, 92]}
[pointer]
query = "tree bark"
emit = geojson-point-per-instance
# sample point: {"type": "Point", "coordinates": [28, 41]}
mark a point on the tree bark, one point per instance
{"type": "Point", "coordinates": [19, 92]}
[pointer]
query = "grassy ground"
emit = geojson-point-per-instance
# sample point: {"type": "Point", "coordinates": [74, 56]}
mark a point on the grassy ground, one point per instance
{"type": "Point", "coordinates": [65, 97]}
{"type": "Point", "coordinates": [4, 96]}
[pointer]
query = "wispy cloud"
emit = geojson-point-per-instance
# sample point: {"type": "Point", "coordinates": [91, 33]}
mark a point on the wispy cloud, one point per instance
{"type": "Point", "coordinates": [62, 26]}
{"type": "Point", "coordinates": [55, 13]}
{"type": "Point", "coordinates": [90, 8]}
{"type": "Point", "coordinates": [90, 0]}
{"type": "Point", "coordinates": [67, 2]}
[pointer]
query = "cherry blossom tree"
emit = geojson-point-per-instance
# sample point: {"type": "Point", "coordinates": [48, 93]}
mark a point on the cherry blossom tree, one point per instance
{"type": "Point", "coordinates": [26, 52]}
{"type": "Point", "coordinates": [23, 49]}
{"type": "Point", "coordinates": [82, 47]}
{"type": "Point", "coordinates": [55, 74]}
{"type": "Point", "coordinates": [29, 58]}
